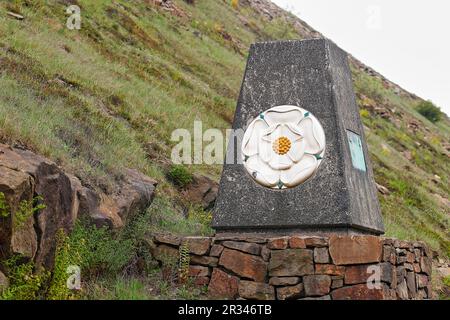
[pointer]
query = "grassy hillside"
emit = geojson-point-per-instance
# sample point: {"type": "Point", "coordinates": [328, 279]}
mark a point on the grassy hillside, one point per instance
{"type": "Point", "coordinates": [108, 96]}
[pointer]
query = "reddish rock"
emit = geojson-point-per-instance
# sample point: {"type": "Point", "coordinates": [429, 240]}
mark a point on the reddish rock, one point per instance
{"type": "Point", "coordinates": [284, 281]}
{"type": "Point", "coordinates": [265, 253]}
{"type": "Point", "coordinates": [330, 269]}
{"type": "Point", "coordinates": [297, 242]}
{"type": "Point", "coordinates": [346, 250]}
{"type": "Point", "coordinates": [16, 186]}
{"type": "Point", "coordinates": [402, 244]}
{"type": "Point", "coordinates": [216, 250]}
{"type": "Point", "coordinates": [256, 290]}
{"type": "Point", "coordinates": [243, 264]}
{"type": "Point", "coordinates": [291, 292]}
{"type": "Point", "coordinates": [202, 190]}
{"type": "Point", "coordinates": [358, 292]}
{"type": "Point", "coordinates": [199, 271]}
{"type": "Point", "coordinates": [204, 260]}
{"type": "Point", "coordinates": [278, 243]}
{"type": "Point", "coordinates": [167, 239]}
{"type": "Point", "coordinates": [201, 281]}
{"type": "Point", "coordinates": [337, 283]}
{"type": "Point", "coordinates": [223, 285]}
{"type": "Point", "coordinates": [317, 285]}
{"type": "Point", "coordinates": [316, 242]}
{"type": "Point", "coordinates": [416, 267]}
{"type": "Point", "coordinates": [357, 274]}
{"type": "Point", "coordinates": [402, 290]}
{"type": "Point", "coordinates": [198, 245]}
{"type": "Point", "coordinates": [410, 257]}
{"type": "Point", "coordinates": [388, 273]}
{"type": "Point", "coordinates": [389, 254]}
{"type": "Point", "coordinates": [411, 284]}
{"type": "Point", "coordinates": [425, 265]}
{"type": "Point", "coordinates": [321, 255]}
{"type": "Point", "coordinates": [247, 247]}
{"type": "Point", "coordinates": [421, 280]}
{"type": "Point", "coordinates": [291, 262]}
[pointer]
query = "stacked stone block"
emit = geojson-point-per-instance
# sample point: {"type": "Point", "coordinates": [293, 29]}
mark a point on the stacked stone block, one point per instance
{"type": "Point", "coordinates": [299, 267]}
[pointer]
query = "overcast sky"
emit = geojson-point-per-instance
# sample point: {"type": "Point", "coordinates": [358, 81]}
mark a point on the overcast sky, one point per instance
{"type": "Point", "coordinates": [407, 41]}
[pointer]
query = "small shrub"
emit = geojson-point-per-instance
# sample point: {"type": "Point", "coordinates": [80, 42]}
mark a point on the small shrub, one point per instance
{"type": "Point", "coordinates": [24, 212]}
{"type": "Point", "coordinates": [25, 284]}
{"type": "Point", "coordinates": [179, 175]}
{"type": "Point", "coordinates": [4, 209]}
{"type": "Point", "coordinates": [429, 111]}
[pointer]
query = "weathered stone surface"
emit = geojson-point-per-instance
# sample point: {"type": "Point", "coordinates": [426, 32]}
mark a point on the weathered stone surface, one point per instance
{"type": "Point", "coordinates": [421, 280]}
{"type": "Point", "coordinates": [402, 244]}
{"type": "Point", "coordinates": [281, 73]}
{"type": "Point", "coordinates": [389, 254]}
{"type": "Point", "coordinates": [291, 262]}
{"type": "Point", "coordinates": [202, 190]}
{"type": "Point", "coordinates": [401, 273]}
{"type": "Point", "coordinates": [327, 297]}
{"type": "Point", "coordinates": [256, 290]}
{"type": "Point", "coordinates": [297, 242]}
{"type": "Point", "coordinates": [198, 245]}
{"type": "Point", "coordinates": [204, 260]}
{"type": "Point", "coordinates": [316, 242]}
{"type": "Point", "coordinates": [425, 265]}
{"type": "Point", "coordinates": [243, 264]}
{"type": "Point", "coordinates": [278, 243]}
{"type": "Point", "coordinates": [408, 266]}
{"type": "Point", "coordinates": [321, 255]}
{"type": "Point", "coordinates": [356, 274]}
{"type": "Point", "coordinates": [66, 199]}
{"type": "Point", "coordinates": [168, 239]}
{"type": "Point", "coordinates": [337, 283]}
{"type": "Point", "coordinates": [223, 285]}
{"type": "Point", "coordinates": [265, 253]}
{"type": "Point", "coordinates": [283, 281]}
{"type": "Point", "coordinates": [416, 267]}
{"type": "Point", "coordinates": [402, 290]}
{"type": "Point", "coordinates": [317, 285]}
{"type": "Point", "coordinates": [410, 257]}
{"type": "Point", "coordinates": [355, 249]}
{"type": "Point", "coordinates": [247, 247]}
{"type": "Point", "coordinates": [216, 250]}
{"type": "Point", "coordinates": [201, 281]}
{"type": "Point", "coordinates": [17, 186]}
{"type": "Point", "coordinates": [417, 255]}
{"type": "Point", "coordinates": [411, 284]}
{"type": "Point", "coordinates": [4, 282]}
{"type": "Point", "coordinates": [330, 269]}
{"type": "Point", "coordinates": [165, 253]}
{"type": "Point", "coordinates": [358, 292]}
{"type": "Point", "coordinates": [387, 273]}
{"type": "Point", "coordinates": [291, 292]}
{"type": "Point", "coordinates": [199, 271]}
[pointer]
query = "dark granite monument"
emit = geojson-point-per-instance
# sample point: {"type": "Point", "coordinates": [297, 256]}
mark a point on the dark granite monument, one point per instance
{"type": "Point", "coordinates": [302, 165]}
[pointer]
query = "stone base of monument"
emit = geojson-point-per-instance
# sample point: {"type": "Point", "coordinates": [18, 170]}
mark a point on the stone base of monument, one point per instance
{"type": "Point", "coordinates": [304, 267]}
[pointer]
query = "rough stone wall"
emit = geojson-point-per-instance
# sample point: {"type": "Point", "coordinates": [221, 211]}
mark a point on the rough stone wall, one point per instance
{"type": "Point", "coordinates": [298, 267]}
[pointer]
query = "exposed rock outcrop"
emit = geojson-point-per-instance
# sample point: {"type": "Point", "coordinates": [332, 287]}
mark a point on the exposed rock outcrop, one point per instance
{"type": "Point", "coordinates": [25, 175]}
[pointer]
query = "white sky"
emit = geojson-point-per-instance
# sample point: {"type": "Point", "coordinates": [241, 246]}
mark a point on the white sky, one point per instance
{"type": "Point", "coordinates": [407, 41]}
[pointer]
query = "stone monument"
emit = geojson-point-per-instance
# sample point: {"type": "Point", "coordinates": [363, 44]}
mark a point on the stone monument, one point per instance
{"type": "Point", "coordinates": [301, 164]}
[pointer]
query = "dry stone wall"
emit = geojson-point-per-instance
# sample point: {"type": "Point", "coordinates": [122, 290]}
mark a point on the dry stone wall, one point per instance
{"type": "Point", "coordinates": [297, 267]}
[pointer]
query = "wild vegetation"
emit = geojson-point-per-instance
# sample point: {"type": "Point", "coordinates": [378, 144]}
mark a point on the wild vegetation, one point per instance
{"type": "Point", "coordinates": [108, 96]}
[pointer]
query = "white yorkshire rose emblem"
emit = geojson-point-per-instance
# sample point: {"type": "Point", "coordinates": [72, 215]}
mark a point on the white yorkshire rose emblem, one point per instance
{"type": "Point", "coordinates": [283, 147]}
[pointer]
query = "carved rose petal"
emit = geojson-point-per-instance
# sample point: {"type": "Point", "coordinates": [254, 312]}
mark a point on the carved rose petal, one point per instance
{"type": "Point", "coordinates": [252, 137]}
{"type": "Point", "coordinates": [265, 175]}
{"type": "Point", "coordinates": [299, 172]}
{"type": "Point", "coordinates": [312, 143]}
{"type": "Point", "coordinates": [283, 115]}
